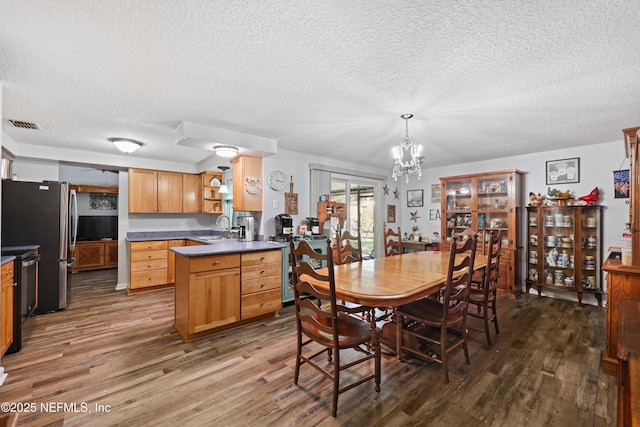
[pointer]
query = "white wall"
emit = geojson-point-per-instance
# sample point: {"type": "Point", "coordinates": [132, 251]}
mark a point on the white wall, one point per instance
{"type": "Point", "coordinates": [597, 163]}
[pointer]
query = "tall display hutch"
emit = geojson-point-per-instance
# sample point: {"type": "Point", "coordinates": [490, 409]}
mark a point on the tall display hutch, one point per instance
{"type": "Point", "coordinates": [564, 249]}
{"type": "Point", "coordinates": [623, 281]}
{"type": "Point", "coordinates": [487, 201]}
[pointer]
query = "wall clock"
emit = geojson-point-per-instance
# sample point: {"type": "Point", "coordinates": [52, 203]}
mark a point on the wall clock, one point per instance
{"type": "Point", "coordinates": [276, 180]}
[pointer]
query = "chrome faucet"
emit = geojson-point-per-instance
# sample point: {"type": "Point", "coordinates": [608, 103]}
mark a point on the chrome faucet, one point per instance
{"type": "Point", "coordinates": [228, 224]}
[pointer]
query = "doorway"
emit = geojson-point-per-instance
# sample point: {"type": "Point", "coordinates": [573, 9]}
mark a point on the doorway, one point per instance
{"type": "Point", "coordinates": [360, 197]}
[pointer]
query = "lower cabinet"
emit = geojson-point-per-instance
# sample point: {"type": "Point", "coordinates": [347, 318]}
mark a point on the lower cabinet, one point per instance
{"type": "Point", "coordinates": [95, 255]}
{"type": "Point", "coordinates": [218, 292]}
{"type": "Point", "coordinates": [6, 305]}
{"type": "Point", "coordinates": [148, 264]}
{"type": "Point", "coordinates": [171, 259]}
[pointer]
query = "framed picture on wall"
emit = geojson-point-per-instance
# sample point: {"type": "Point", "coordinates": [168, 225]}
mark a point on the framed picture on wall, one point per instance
{"type": "Point", "coordinates": [415, 198]}
{"type": "Point", "coordinates": [435, 193]}
{"type": "Point", "coordinates": [621, 184]}
{"type": "Point", "coordinates": [391, 213]}
{"type": "Point", "coordinates": [565, 171]}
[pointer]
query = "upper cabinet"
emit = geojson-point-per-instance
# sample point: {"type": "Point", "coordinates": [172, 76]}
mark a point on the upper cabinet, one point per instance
{"type": "Point", "coordinates": [152, 191]}
{"type": "Point", "coordinates": [247, 183]}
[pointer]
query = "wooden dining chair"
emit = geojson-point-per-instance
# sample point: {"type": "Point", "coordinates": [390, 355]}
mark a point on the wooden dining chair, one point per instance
{"type": "Point", "coordinates": [444, 322]}
{"type": "Point", "coordinates": [349, 248]}
{"type": "Point", "coordinates": [482, 297]}
{"type": "Point", "coordinates": [392, 242]}
{"type": "Point", "coordinates": [321, 320]}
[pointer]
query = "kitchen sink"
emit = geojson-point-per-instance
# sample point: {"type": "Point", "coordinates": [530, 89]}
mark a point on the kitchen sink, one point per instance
{"type": "Point", "coordinates": [214, 238]}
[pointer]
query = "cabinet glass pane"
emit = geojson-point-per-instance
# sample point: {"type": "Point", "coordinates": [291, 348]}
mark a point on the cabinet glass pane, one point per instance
{"type": "Point", "coordinates": [458, 207]}
{"type": "Point", "coordinates": [558, 241]}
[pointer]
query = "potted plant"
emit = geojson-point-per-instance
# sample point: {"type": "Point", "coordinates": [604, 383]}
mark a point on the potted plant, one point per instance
{"type": "Point", "coordinates": [416, 233]}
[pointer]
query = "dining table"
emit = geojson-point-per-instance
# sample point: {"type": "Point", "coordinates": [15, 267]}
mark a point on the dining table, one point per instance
{"type": "Point", "coordinates": [392, 281]}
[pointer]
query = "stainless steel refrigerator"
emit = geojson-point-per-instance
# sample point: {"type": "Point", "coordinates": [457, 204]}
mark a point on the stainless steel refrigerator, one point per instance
{"type": "Point", "coordinates": [39, 213]}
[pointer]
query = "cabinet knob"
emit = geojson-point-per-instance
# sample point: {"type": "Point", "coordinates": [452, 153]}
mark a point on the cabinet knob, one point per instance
{"type": "Point", "coordinates": [149, 256]}
{"type": "Point", "coordinates": [262, 285]}
{"type": "Point", "coordinates": [261, 271]}
{"type": "Point", "coordinates": [149, 265]}
{"type": "Point", "coordinates": [261, 258]}
{"type": "Point", "coordinates": [216, 262]}
{"type": "Point", "coordinates": [261, 303]}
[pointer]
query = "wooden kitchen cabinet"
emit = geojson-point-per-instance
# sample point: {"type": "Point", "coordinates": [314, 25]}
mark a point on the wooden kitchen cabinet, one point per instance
{"type": "Point", "coordinates": [171, 258]}
{"type": "Point", "coordinates": [261, 283]}
{"type": "Point", "coordinates": [247, 183]}
{"type": "Point", "coordinates": [218, 292]}
{"type": "Point", "coordinates": [487, 201]}
{"type": "Point", "coordinates": [94, 255]}
{"type": "Point", "coordinates": [328, 210]}
{"type": "Point", "coordinates": [152, 191]}
{"type": "Point", "coordinates": [148, 264]}
{"type": "Point", "coordinates": [211, 198]}
{"type": "Point", "coordinates": [191, 190]}
{"type": "Point", "coordinates": [207, 296]}
{"type": "Point", "coordinates": [6, 304]}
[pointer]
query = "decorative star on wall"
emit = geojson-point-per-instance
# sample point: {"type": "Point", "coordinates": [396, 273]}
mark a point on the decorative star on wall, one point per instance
{"type": "Point", "coordinates": [386, 190]}
{"type": "Point", "coordinates": [414, 216]}
{"type": "Point", "coordinates": [396, 194]}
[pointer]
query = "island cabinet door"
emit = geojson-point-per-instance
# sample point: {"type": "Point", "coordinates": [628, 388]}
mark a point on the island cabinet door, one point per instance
{"type": "Point", "coordinates": [214, 299]}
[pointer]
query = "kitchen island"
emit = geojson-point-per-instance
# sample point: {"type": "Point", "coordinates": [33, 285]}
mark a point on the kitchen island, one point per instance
{"type": "Point", "coordinates": [225, 284]}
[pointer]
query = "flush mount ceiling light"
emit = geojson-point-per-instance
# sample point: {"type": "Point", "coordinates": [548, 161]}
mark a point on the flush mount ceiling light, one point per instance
{"type": "Point", "coordinates": [126, 145]}
{"type": "Point", "coordinates": [406, 156]}
{"type": "Point", "coordinates": [225, 150]}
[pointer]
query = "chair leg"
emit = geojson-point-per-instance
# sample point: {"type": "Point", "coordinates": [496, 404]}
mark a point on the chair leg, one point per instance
{"type": "Point", "coordinates": [443, 352]}
{"type": "Point", "coordinates": [495, 316]}
{"type": "Point", "coordinates": [485, 317]}
{"type": "Point", "coordinates": [336, 383]}
{"type": "Point", "coordinates": [464, 341]}
{"type": "Point", "coordinates": [399, 322]}
{"type": "Point", "coordinates": [298, 354]}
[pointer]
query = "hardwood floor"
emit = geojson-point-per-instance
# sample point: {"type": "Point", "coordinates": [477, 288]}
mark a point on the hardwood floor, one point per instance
{"type": "Point", "coordinates": [121, 353]}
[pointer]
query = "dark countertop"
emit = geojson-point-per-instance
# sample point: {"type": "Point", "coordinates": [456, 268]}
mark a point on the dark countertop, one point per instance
{"type": "Point", "coordinates": [226, 247]}
{"type": "Point", "coordinates": [7, 258]}
{"type": "Point", "coordinates": [139, 236]}
{"type": "Point", "coordinates": [18, 250]}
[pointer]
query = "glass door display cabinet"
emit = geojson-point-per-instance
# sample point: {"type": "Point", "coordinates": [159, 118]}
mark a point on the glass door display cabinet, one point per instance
{"type": "Point", "coordinates": [564, 249]}
{"type": "Point", "coordinates": [483, 202]}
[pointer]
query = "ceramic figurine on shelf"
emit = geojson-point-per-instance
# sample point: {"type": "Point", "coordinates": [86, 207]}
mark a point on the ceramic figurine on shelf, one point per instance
{"type": "Point", "coordinates": [551, 257]}
{"type": "Point", "coordinates": [592, 197]}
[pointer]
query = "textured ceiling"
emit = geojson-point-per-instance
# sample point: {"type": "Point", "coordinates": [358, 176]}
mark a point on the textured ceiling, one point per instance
{"type": "Point", "coordinates": [483, 79]}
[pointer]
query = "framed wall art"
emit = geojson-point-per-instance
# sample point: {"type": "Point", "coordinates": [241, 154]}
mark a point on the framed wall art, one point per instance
{"type": "Point", "coordinates": [391, 213]}
{"type": "Point", "coordinates": [621, 184]}
{"type": "Point", "coordinates": [565, 171]}
{"type": "Point", "coordinates": [435, 193]}
{"type": "Point", "coordinates": [415, 198]}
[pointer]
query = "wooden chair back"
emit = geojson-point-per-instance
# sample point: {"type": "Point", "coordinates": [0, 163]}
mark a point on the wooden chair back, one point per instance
{"type": "Point", "coordinates": [322, 320]}
{"type": "Point", "coordinates": [455, 297]}
{"type": "Point", "coordinates": [494, 250]}
{"type": "Point", "coordinates": [392, 242]}
{"type": "Point", "coordinates": [349, 248]}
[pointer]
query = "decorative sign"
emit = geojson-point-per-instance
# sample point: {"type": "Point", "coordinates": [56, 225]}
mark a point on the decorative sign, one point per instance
{"type": "Point", "coordinates": [435, 193]}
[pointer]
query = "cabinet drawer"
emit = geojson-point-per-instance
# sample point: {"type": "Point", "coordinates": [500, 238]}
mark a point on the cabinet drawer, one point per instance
{"type": "Point", "coordinates": [254, 258]}
{"type": "Point", "coordinates": [7, 272]}
{"type": "Point", "coordinates": [261, 303]}
{"type": "Point", "coordinates": [261, 284]}
{"type": "Point", "coordinates": [505, 256]}
{"type": "Point", "coordinates": [148, 245]}
{"type": "Point", "coordinates": [213, 262]}
{"type": "Point", "coordinates": [153, 264]}
{"type": "Point", "coordinates": [149, 255]}
{"type": "Point", "coordinates": [261, 270]}
{"type": "Point", "coordinates": [142, 279]}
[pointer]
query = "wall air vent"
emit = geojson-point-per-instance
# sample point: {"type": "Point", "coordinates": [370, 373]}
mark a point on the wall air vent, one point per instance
{"type": "Point", "coordinates": [24, 125]}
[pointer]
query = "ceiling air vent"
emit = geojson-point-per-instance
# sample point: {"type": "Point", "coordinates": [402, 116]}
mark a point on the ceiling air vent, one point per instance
{"type": "Point", "coordinates": [24, 125]}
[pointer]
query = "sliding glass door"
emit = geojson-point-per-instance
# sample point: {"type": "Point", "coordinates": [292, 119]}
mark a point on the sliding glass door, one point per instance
{"type": "Point", "coordinates": [360, 195]}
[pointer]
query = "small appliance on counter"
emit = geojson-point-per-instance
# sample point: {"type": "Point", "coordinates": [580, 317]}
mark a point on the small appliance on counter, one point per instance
{"type": "Point", "coordinates": [247, 228]}
{"type": "Point", "coordinates": [314, 225]}
{"type": "Point", "coordinates": [284, 227]}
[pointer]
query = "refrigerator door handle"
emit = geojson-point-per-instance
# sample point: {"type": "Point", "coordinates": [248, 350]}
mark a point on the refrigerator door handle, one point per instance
{"type": "Point", "coordinates": [73, 202]}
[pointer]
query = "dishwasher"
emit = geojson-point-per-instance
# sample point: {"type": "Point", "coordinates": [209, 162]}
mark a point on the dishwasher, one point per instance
{"type": "Point", "coordinates": [26, 277]}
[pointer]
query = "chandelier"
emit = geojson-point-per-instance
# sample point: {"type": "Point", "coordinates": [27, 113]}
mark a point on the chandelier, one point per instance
{"type": "Point", "coordinates": [406, 156]}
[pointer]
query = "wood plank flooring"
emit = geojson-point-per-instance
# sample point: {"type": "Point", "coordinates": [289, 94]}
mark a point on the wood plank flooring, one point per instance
{"type": "Point", "coordinates": [121, 353]}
